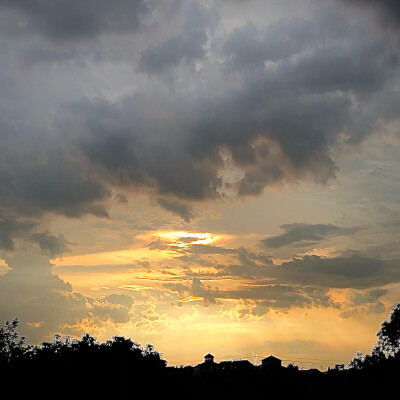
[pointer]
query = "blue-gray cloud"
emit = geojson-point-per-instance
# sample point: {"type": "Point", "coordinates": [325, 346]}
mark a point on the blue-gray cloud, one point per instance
{"type": "Point", "coordinates": [187, 46]}
{"type": "Point", "coordinates": [63, 20]}
{"type": "Point", "coordinates": [10, 229]}
{"type": "Point", "coordinates": [50, 244]}
{"type": "Point", "coordinates": [339, 272]}
{"type": "Point", "coordinates": [292, 93]}
{"type": "Point", "coordinates": [304, 234]}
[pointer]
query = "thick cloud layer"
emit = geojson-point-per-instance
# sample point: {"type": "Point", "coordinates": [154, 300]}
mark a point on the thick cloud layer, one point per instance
{"type": "Point", "coordinates": [106, 101]}
{"type": "Point", "coordinates": [10, 229]}
{"type": "Point", "coordinates": [187, 46]}
{"type": "Point", "coordinates": [62, 20]}
{"type": "Point", "coordinates": [276, 100]}
{"type": "Point", "coordinates": [386, 10]}
{"type": "Point", "coordinates": [336, 272]}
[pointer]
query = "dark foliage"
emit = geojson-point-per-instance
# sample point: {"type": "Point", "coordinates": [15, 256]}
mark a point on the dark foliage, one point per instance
{"type": "Point", "coordinates": [121, 369]}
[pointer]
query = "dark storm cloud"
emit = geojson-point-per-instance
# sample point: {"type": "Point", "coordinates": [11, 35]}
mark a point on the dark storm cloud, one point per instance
{"type": "Point", "coordinates": [388, 10]}
{"type": "Point", "coordinates": [339, 272]}
{"type": "Point", "coordinates": [176, 207]}
{"type": "Point", "coordinates": [50, 244]}
{"type": "Point", "coordinates": [63, 20]}
{"type": "Point", "coordinates": [249, 47]}
{"type": "Point", "coordinates": [355, 272]}
{"type": "Point", "coordinates": [11, 229]}
{"type": "Point", "coordinates": [141, 142]}
{"type": "Point", "coordinates": [33, 185]}
{"type": "Point", "coordinates": [304, 234]}
{"type": "Point", "coordinates": [187, 46]}
{"type": "Point", "coordinates": [291, 93]}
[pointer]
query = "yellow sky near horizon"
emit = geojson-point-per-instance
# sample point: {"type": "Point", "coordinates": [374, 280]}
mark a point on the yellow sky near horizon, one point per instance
{"type": "Point", "coordinates": [174, 320]}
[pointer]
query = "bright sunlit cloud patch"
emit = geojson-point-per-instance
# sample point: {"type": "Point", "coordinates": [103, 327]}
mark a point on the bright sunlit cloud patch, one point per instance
{"type": "Point", "coordinates": [136, 288]}
{"type": "Point", "coordinates": [184, 239]}
{"type": "Point", "coordinates": [189, 299]}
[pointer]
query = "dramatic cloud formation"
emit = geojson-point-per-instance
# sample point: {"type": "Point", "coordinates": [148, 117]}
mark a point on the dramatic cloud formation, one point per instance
{"type": "Point", "coordinates": [50, 244]}
{"type": "Point", "coordinates": [169, 164]}
{"type": "Point", "coordinates": [188, 45]}
{"type": "Point", "coordinates": [279, 112]}
{"type": "Point", "coordinates": [9, 229]}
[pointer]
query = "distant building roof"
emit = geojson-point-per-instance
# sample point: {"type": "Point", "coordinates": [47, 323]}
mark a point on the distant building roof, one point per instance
{"type": "Point", "coordinates": [271, 361]}
{"type": "Point", "coordinates": [271, 357]}
{"type": "Point", "coordinates": [208, 356]}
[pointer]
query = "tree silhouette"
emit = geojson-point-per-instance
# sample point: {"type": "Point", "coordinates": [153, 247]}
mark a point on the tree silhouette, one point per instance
{"type": "Point", "coordinates": [121, 368]}
{"type": "Point", "coordinates": [389, 334]}
{"type": "Point", "coordinates": [11, 345]}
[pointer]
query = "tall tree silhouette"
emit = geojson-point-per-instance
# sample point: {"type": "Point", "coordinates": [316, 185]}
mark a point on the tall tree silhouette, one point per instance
{"type": "Point", "coordinates": [389, 334]}
{"type": "Point", "coordinates": [12, 346]}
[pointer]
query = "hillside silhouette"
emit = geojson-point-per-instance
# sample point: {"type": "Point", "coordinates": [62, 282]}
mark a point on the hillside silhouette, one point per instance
{"type": "Point", "coordinates": [122, 369]}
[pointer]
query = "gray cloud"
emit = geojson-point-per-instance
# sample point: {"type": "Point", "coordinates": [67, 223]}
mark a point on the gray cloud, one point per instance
{"type": "Point", "coordinates": [187, 46]}
{"type": "Point", "coordinates": [176, 207]}
{"type": "Point", "coordinates": [339, 272]}
{"type": "Point", "coordinates": [209, 249]}
{"type": "Point", "coordinates": [50, 244]}
{"type": "Point", "coordinates": [10, 229]}
{"type": "Point", "coordinates": [291, 93]}
{"type": "Point", "coordinates": [303, 234]}
{"type": "Point", "coordinates": [365, 301]}
{"type": "Point", "coordinates": [251, 265]}
{"type": "Point", "coordinates": [387, 10]}
{"type": "Point", "coordinates": [64, 20]}
{"type": "Point", "coordinates": [34, 185]}
{"type": "Point", "coordinates": [119, 299]}
{"type": "Point", "coordinates": [356, 272]}
{"type": "Point", "coordinates": [370, 296]}
{"type": "Point", "coordinates": [279, 124]}
{"type": "Point", "coordinates": [116, 307]}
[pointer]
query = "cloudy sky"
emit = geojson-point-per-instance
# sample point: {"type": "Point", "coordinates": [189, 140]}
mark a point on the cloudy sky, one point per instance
{"type": "Point", "coordinates": [218, 176]}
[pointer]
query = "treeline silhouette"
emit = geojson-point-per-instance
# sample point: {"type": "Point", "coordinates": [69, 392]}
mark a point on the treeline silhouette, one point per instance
{"type": "Point", "coordinates": [121, 369]}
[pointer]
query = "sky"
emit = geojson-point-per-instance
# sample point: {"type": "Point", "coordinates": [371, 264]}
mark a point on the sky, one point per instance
{"type": "Point", "coordinates": [218, 176]}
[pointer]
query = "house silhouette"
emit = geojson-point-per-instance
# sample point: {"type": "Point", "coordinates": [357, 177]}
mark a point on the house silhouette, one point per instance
{"type": "Point", "coordinates": [207, 366]}
{"type": "Point", "coordinates": [271, 362]}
